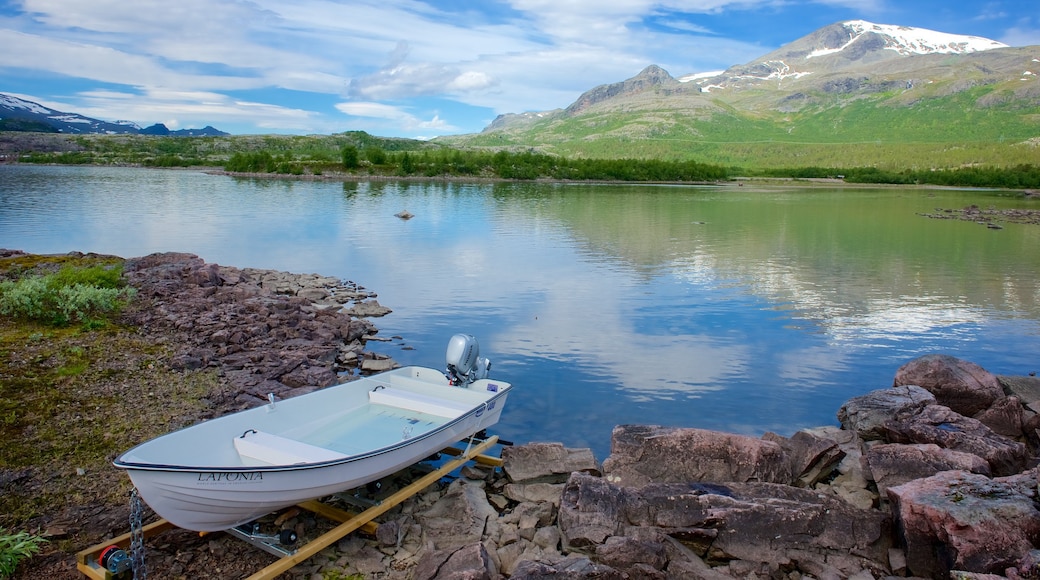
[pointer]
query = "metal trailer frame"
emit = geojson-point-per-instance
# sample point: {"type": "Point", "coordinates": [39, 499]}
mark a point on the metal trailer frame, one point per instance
{"type": "Point", "coordinates": [87, 560]}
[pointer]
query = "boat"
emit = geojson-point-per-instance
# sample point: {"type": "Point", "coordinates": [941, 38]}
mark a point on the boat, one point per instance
{"type": "Point", "coordinates": [234, 469]}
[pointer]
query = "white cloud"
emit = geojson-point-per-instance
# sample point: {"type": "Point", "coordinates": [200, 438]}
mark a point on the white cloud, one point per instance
{"type": "Point", "coordinates": [192, 109]}
{"type": "Point", "coordinates": [399, 115]}
{"type": "Point", "coordinates": [377, 110]}
{"type": "Point", "coordinates": [515, 56]}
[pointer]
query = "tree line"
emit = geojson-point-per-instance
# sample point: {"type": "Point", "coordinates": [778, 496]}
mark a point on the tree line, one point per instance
{"type": "Point", "coordinates": [1023, 176]}
{"type": "Point", "coordinates": [531, 165]}
{"type": "Point", "coordinates": [525, 165]}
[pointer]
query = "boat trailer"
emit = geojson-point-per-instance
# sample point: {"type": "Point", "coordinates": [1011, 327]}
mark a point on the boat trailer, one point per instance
{"type": "Point", "coordinates": [109, 560]}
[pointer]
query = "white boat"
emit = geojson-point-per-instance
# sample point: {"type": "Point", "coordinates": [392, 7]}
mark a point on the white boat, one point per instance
{"type": "Point", "coordinates": [234, 469]}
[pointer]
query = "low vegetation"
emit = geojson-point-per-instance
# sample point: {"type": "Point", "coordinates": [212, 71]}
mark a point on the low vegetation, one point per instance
{"type": "Point", "coordinates": [84, 295]}
{"type": "Point", "coordinates": [15, 547]}
{"type": "Point", "coordinates": [74, 396]}
{"type": "Point", "coordinates": [855, 142]}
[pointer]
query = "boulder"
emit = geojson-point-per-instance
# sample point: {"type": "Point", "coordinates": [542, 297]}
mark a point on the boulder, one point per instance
{"type": "Point", "coordinates": [458, 518]}
{"type": "Point", "coordinates": [942, 426]}
{"type": "Point", "coordinates": [757, 522]}
{"type": "Point", "coordinates": [591, 510]}
{"type": "Point", "coordinates": [470, 562]}
{"type": "Point", "coordinates": [626, 553]}
{"type": "Point", "coordinates": [546, 462]}
{"type": "Point", "coordinates": [1004, 417]}
{"type": "Point", "coordinates": [866, 415]}
{"type": "Point", "coordinates": [960, 385]}
{"type": "Point", "coordinates": [534, 492]}
{"type": "Point", "coordinates": [850, 481]}
{"type": "Point", "coordinates": [1026, 388]}
{"type": "Point", "coordinates": [571, 568]}
{"type": "Point", "coordinates": [368, 309]}
{"type": "Point", "coordinates": [955, 520]}
{"type": "Point", "coordinates": [891, 465]}
{"type": "Point", "coordinates": [812, 457]}
{"type": "Point", "coordinates": [645, 454]}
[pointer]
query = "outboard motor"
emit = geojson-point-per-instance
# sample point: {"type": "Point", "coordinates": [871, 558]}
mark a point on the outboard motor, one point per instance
{"type": "Point", "coordinates": [465, 364]}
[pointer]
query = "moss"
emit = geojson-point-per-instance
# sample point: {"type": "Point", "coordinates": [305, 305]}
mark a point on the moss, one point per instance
{"type": "Point", "coordinates": [71, 400]}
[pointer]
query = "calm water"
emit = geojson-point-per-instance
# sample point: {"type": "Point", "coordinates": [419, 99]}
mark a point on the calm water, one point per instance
{"type": "Point", "coordinates": [731, 308]}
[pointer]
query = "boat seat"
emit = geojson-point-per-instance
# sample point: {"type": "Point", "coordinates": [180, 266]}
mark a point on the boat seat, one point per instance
{"type": "Point", "coordinates": [418, 402]}
{"type": "Point", "coordinates": [277, 450]}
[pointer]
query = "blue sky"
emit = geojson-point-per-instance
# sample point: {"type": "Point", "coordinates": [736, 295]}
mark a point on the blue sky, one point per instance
{"type": "Point", "coordinates": [407, 68]}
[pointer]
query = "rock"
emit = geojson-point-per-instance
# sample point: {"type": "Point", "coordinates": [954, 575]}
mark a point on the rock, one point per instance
{"type": "Point", "coordinates": [546, 462]}
{"type": "Point", "coordinates": [378, 365]}
{"type": "Point", "coordinates": [758, 522]}
{"type": "Point", "coordinates": [812, 458]}
{"type": "Point", "coordinates": [1004, 417]}
{"type": "Point", "coordinates": [642, 454]}
{"type": "Point", "coordinates": [964, 521]}
{"type": "Point", "coordinates": [866, 415]}
{"type": "Point", "coordinates": [960, 385]}
{"type": "Point", "coordinates": [534, 492]}
{"type": "Point", "coordinates": [572, 568]}
{"type": "Point", "coordinates": [368, 309]}
{"type": "Point", "coordinates": [1027, 389]}
{"type": "Point", "coordinates": [591, 510]}
{"type": "Point", "coordinates": [850, 483]}
{"type": "Point", "coordinates": [470, 562]}
{"type": "Point", "coordinates": [891, 465]}
{"type": "Point", "coordinates": [623, 553]}
{"type": "Point", "coordinates": [250, 324]}
{"type": "Point", "coordinates": [458, 518]}
{"type": "Point", "coordinates": [943, 427]}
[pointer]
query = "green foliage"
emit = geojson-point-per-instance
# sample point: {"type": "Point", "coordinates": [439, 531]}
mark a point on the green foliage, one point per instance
{"type": "Point", "coordinates": [375, 155]}
{"type": "Point", "coordinates": [253, 162]}
{"type": "Point", "coordinates": [26, 125]}
{"type": "Point", "coordinates": [1018, 177]}
{"type": "Point", "coordinates": [893, 131]}
{"type": "Point", "coordinates": [88, 296]}
{"type": "Point", "coordinates": [350, 156]}
{"type": "Point", "coordinates": [15, 547]}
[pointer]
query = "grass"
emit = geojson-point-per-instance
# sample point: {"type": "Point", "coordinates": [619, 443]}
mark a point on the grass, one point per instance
{"type": "Point", "coordinates": [71, 399]}
{"type": "Point", "coordinates": [877, 131]}
{"type": "Point", "coordinates": [881, 130]}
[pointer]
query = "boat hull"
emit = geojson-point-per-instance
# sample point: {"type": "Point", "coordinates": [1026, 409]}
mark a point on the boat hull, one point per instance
{"type": "Point", "coordinates": [217, 494]}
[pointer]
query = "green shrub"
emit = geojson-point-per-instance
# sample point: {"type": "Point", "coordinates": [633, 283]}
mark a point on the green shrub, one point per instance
{"type": "Point", "coordinates": [84, 295]}
{"type": "Point", "coordinates": [14, 548]}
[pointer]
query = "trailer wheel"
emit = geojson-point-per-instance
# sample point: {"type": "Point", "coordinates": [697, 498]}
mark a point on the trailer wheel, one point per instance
{"type": "Point", "coordinates": [287, 537]}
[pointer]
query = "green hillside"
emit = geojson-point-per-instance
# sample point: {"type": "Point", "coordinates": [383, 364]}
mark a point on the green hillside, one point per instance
{"type": "Point", "coordinates": [875, 130]}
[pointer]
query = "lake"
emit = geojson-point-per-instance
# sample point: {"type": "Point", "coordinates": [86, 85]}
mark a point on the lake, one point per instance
{"type": "Point", "coordinates": [737, 308]}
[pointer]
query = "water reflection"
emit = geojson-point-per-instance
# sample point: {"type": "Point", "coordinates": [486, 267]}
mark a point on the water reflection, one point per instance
{"type": "Point", "coordinates": [713, 307]}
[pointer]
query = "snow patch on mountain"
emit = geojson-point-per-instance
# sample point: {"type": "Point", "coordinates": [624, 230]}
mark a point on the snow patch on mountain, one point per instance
{"type": "Point", "coordinates": [907, 40]}
{"type": "Point", "coordinates": [10, 102]}
{"type": "Point", "coordinates": [695, 76]}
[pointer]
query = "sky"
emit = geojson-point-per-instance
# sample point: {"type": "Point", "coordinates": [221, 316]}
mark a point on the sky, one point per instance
{"type": "Point", "coordinates": [406, 68]}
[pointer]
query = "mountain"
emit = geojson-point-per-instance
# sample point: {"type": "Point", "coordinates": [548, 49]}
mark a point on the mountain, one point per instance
{"type": "Point", "coordinates": [161, 129]}
{"type": "Point", "coordinates": [854, 83]}
{"type": "Point", "coordinates": [20, 115]}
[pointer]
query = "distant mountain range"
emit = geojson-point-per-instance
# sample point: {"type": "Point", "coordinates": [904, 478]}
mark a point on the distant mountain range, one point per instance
{"type": "Point", "coordinates": [850, 82]}
{"type": "Point", "coordinates": [21, 115]}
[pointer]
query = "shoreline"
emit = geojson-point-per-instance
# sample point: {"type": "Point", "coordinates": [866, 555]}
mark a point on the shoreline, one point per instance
{"type": "Point", "coordinates": [737, 181]}
{"type": "Point", "coordinates": [185, 354]}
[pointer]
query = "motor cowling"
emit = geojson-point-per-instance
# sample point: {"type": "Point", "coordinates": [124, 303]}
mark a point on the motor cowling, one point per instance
{"type": "Point", "coordinates": [465, 364]}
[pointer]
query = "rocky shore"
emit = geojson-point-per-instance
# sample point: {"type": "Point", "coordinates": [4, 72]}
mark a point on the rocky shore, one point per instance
{"type": "Point", "coordinates": [934, 476]}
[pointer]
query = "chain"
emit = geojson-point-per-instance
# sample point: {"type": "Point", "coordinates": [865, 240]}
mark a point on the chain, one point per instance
{"type": "Point", "coordinates": [137, 537]}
